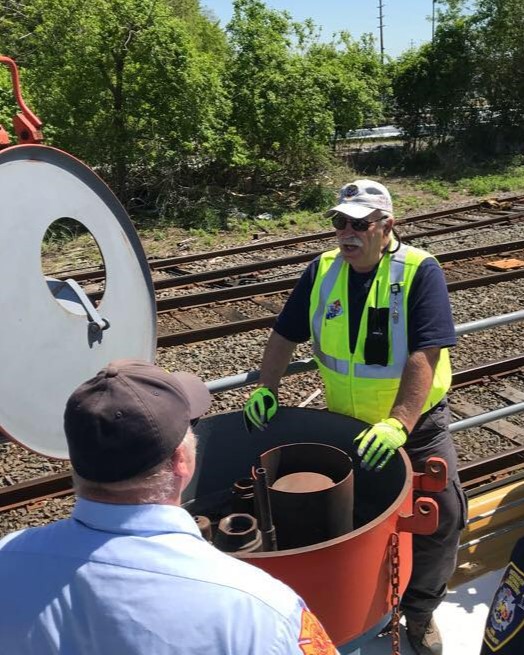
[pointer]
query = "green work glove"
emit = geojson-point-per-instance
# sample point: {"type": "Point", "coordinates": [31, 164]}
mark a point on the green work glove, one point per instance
{"type": "Point", "coordinates": [260, 408]}
{"type": "Point", "coordinates": [377, 444]}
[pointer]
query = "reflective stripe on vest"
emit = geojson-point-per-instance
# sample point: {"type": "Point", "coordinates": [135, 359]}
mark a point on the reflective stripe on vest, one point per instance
{"type": "Point", "coordinates": [332, 363]}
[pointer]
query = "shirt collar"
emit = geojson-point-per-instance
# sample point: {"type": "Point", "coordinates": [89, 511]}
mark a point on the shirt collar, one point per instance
{"type": "Point", "coordinates": [134, 519]}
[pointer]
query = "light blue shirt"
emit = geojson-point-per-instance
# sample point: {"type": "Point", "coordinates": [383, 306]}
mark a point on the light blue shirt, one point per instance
{"type": "Point", "coordinates": [138, 579]}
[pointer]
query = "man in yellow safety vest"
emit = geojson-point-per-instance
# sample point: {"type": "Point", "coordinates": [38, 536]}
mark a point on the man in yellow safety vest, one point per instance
{"type": "Point", "coordinates": [379, 318]}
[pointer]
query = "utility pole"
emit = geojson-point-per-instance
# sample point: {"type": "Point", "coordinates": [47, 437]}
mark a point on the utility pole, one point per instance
{"type": "Point", "coordinates": [433, 23]}
{"type": "Point", "coordinates": [381, 28]}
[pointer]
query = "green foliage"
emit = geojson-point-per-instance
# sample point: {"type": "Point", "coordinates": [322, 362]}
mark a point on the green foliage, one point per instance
{"type": "Point", "coordinates": [352, 80]}
{"type": "Point", "coordinates": [160, 100]}
{"type": "Point", "coordinates": [202, 216]}
{"type": "Point", "coordinates": [278, 110]}
{"type": "Point", "coordinates": [432, 84]}
{"type": "Point", "coordinates": [130, 88]}
{"type": "Point", "coordinates": [316, 197]}
{"type": "Point", "coordinates": [166, 105]}
{"type": "Point", "coordinates": [437, 188]}
{"type": "Point", "coordinates": [7, 104]}
{"type": "Point", "coordinates": [483, 185]}
{"type": "Point", "coordinates": [500, 59]}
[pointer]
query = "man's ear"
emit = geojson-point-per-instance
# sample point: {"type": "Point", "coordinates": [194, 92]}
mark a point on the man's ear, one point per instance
{"type": "Point", "coordinates": [388, 226]}
{"type": "Point", "coordinates": [180, 462]}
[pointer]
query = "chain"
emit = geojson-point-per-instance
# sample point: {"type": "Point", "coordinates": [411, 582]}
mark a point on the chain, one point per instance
{"type": "Point", "coordinates": [395, 596]}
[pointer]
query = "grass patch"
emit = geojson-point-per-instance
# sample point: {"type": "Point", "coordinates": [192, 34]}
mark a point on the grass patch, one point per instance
{"type": "Point", "coordinates": [438, 188]}
{"type": "Point", "coordinates": [482, 185]}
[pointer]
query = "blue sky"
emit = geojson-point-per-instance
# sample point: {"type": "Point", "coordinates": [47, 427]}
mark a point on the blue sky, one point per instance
{"type": "Point", "coordinates": [405, 20]}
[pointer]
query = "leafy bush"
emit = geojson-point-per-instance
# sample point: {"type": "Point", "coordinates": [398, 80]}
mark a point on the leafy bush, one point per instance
{"type": "Point", "coordinates": [315, 197]}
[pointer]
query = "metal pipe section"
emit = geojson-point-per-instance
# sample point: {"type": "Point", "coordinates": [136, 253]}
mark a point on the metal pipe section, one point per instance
{"type": "Point", "coordinates": [473, 421]}
{"type": "Point", "coordinates": [303, 365]}
{"type": "Point", "coordinates": [263, 509]}
{"type": "Point", "coordinates": [485, 323]}
{"type": "Point", "coordinates": [493, 512]}
{"type": "Point", "coordinates": [238, 533]}
{"type": "Point", "coordinates": [310, 487]}
{"type": "Point", "coordinates": [250, 377]}
{"type": "Point", "coordinates": [491, 535]}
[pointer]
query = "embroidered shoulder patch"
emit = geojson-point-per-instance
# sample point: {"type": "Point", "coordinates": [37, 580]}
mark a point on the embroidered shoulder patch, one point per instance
{"type": "Point", "coordinates": [506, 615]}
{"type": "Point", "coordinates": [334, 309]}
{"type": "Point", "coordinates": [313, 639]}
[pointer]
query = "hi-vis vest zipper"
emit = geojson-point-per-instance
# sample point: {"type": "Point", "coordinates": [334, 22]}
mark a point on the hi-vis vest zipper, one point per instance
{"type": "Point", "coordinates": [367, 391]}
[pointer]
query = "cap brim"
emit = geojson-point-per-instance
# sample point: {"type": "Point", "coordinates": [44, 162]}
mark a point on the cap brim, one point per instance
{"type": "Point", "coordinates": [350, 209]}
{"type": "Point", "coordinates": [196, 391]}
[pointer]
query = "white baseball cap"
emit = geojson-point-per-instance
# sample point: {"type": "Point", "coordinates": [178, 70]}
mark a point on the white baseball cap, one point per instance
{"type": "Point", "coordinates": [361, 198]}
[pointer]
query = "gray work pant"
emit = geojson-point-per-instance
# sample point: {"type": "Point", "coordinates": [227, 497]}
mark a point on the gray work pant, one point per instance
{"type": "Point", "coordinates": [434, 556]}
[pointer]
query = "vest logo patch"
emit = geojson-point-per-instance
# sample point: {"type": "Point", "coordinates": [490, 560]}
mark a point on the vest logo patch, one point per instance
{"type": "Point", "coordinates": [506, 616]}
{"type": "Point", "coordinates": [313, 639]}
{"type": "Point", "coordinates": [334, 310]}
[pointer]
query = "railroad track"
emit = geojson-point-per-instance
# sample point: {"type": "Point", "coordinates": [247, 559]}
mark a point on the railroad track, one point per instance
{"type": "Point", "coordinates": [199, 305]}
{"type": "Point", "coordinates": [268, 296]}
{"type": "Point", "coordinates": [473, 475]}
{"type": "Point", "coordinates": [467, 217]}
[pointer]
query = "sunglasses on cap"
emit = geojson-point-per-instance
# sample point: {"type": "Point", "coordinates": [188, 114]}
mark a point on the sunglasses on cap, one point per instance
{"type": "Point", "coordinates": [339, 222]}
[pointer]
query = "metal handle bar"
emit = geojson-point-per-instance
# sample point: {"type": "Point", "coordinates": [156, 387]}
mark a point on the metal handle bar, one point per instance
{"type": "Point", "coordinates": [15, 77]}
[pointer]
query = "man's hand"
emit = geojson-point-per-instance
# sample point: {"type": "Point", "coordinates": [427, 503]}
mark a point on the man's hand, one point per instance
{"type": "Point", "coordinates": [260, 408]}
{"type": "Point", "coordinates": [377, 444]}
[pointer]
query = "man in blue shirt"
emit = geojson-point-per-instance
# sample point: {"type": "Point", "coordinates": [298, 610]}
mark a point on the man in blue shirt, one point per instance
{"type": "Point", "coordinates": [129, 573]}
{"type": "Point", "coordinates": [418, 329]}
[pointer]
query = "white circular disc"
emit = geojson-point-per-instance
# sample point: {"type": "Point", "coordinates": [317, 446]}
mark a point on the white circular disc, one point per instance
{"type": "Point", "coordinates": [45, 348]}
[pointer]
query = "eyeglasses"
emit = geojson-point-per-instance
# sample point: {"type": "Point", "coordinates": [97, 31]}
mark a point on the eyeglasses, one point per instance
{"type": "Point", "coordinates": [339, 222]}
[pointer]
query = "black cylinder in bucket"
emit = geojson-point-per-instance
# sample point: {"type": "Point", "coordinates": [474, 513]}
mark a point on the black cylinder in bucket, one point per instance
{"type": "Point", "coordinates": [311, 493]}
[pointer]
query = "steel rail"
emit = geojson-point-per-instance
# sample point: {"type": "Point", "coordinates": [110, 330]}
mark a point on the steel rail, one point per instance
{"type": "Point", "coordinates": [480, 471]}
{"type": "Point", "coordinates": [221, 274]}
{"type": "Point", "coordinates": [234, 271]}
{"type": "Point", "coordinates": [480, 251]}
{"type": "Point", "coordinates": [224, 273]}
{"type": "Point", "coordinates": [196, 335]}
{"type": "Point", "coordinates": [247, 291]}
{"type": "Point", "coordinates": [303, 365]}
{"type": "Point", "coordinates": [216, 275]}
{"type": "Point", "coordinates": [451, 229]}
{"type": "Point", "coordinates": [170, 262]}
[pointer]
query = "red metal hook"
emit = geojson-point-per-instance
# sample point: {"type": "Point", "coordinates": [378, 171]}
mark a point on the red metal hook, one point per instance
{"type": "Point", "coordinates": [26, 125]}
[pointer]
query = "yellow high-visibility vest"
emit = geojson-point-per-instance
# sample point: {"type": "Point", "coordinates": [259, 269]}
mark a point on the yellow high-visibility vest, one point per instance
{"type": "Point", "coordinates": [367, 391]}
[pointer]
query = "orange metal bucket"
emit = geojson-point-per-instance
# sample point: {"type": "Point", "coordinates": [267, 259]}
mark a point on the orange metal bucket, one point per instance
{"type": "Point", "coordinates": [346, 581]}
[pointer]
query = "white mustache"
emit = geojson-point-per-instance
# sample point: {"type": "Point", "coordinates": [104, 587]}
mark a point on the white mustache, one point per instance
{"type": "Point", "coordinates": [350, 241]}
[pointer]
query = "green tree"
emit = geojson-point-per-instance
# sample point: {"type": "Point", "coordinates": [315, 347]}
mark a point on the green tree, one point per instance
{"type": "Point", "coordinates": [352, 80]}
{"type": "Point", "coordinates": [500, 60]}
{"type": "Point", "coordinates": [433, 85]}
{"type": "Point", "coordinates": [279, 111]}
{"type": "Point", "coordinates": [129, 86]}
{"type": "Point", "coordinates": [7, 105]}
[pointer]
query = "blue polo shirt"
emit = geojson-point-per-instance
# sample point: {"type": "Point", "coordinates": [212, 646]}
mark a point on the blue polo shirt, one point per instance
{"type": "Point", "coordinates": [140, 580]}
